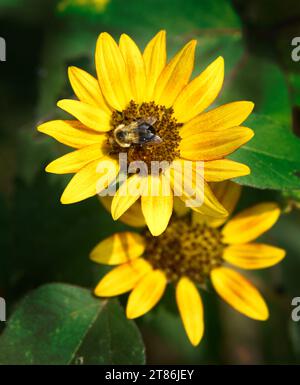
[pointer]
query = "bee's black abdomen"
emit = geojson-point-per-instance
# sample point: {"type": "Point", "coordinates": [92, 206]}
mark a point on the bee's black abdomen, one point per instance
{"type": "Point", "coordinates": [146, 132]}
{"type": "Point", "coordinates": [146, 127]}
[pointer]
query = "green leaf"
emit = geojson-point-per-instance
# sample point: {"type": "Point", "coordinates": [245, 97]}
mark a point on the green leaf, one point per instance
{"type": "Point", "coordinates": [273, 156]}
{"type": "Point", "coordinates": [64, 324]}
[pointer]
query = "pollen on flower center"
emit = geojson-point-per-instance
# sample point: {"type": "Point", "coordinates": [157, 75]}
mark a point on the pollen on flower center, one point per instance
{"type": "Point", "coordinates": [185, 249]}
{"type": "Point", "coordinates": [165, 127]}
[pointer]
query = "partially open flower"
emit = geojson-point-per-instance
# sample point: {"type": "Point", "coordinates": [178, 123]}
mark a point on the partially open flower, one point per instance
{"type": "Point", "coordinates": [193, 250]}
{"type": "Point", "coordinates": [151, 111]}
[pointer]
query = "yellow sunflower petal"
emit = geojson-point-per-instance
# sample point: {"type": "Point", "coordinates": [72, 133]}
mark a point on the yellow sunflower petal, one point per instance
{"type": "Point", "coordinates": [223, 169]}
{"type": "Point", "coordinates": [128, 193]}
{"type": "Point", "coordinates": [74, 161]}
{"type": "Point", "coordinates": [86, 88]}
{"type": "Point", "coordinates": [146, 294]}
{"type": "Point", "coordinates": [157, 204]}
{"type": "Point", "coordinates": [253, 255]}
{"type": "Point", "coordinates": [175, 75]}
{"type": "Point", "coordinates": [200, 92]}
{"type": "Point", "coordinates": [84, 184]}
{"type": "Point", "coordinates": [135, 67]}
{"type": "Point", "coordinates": [214, 144]}
{"type": "Point", "coordinates": [112, 74]}
{"type": "Point", "coordinates": [92, 117]}
{"type": "Point", "coordinates": [70, 132]}
{"type": "Point", "coordinates": [132, 217]}
{"type": "Point", "coordinates": [122, 278]}
{"type": "Point", "coordinates": [220, 118]}
{"type": "Point", "coordinates": [155, 56]}
{"type": "Point", "coordinates": [227, 193]}
{"type": "Point", "coordinates": [119, 248]}
{"type": "Point", "coordinates": [192, 189]}
{"type": "Point", "coordinates": [251, 223]}
{"type": "Point", "coordinates": [239, 293]}
{"type": "Point", "coordinates": [191, 309]}
{"type": "Point", "coordinates": [211, 206]}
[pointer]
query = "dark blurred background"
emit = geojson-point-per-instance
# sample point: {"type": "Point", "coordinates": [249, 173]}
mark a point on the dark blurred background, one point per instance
{"type": "Point", "coordinates": [43, 241]}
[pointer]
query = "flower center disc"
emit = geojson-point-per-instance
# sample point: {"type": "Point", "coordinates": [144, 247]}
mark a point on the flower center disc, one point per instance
{"type": "Point", "coordinates": [165, 126]}
{"type": "Point", "coordinates": [185, 249]}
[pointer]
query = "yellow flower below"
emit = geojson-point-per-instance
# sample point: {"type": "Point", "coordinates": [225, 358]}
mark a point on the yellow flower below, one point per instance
{"type": "Point", "coordinates": [193, 250]}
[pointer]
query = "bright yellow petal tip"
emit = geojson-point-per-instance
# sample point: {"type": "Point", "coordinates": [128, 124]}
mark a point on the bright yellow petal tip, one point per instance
{"type": "Point", "coordinates": [253, 255]}
{"type": "Point", "coordinates": [175, 75]}
{"type": "Point", "coordinates": [200, 92]}
{"type": "Point", "coordinates": [119, 248]}
{"type": "Point", "coordinates": [146, 294]}
{"type": "Point", "coordinates": [122, 278]}
{"type": "Point", "coordinates": [157, 204]}
{"type": "Point", "coordinates": [91, 116]}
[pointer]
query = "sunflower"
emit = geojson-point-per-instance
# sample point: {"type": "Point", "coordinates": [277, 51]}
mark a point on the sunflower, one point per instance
{"type": "Point", "coordinates": [134, 87]}
{"type": "Point", "coordinates": [191, 252]}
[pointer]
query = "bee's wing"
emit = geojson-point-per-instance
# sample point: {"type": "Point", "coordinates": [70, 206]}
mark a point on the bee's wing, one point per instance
{"type": "Point", "coordinates": [156, 140]}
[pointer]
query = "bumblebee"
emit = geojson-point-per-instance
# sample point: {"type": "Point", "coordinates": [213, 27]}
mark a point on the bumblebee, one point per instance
{"type": "Point", "coordinates": [140, 132]}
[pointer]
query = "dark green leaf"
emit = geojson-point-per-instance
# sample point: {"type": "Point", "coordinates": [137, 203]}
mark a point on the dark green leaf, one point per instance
{"type": "Point", "coordinates": [273, 155]}
{"type": "Point", "coordinates": [64, 324]}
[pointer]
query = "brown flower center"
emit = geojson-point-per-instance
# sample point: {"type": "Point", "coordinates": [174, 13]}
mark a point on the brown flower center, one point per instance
{"type": "Point", "coordinates": [185, 249]}
{"type": "Point", "coordinates": [133, 127]}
